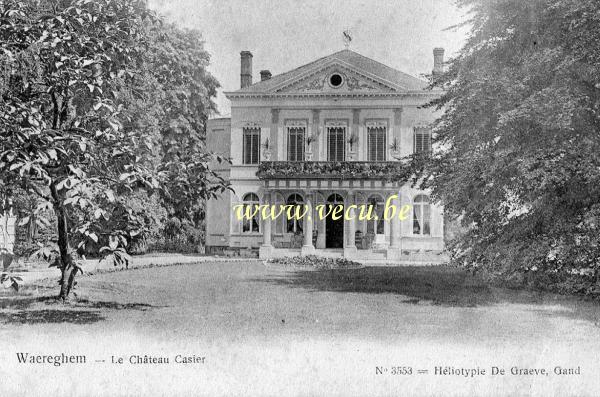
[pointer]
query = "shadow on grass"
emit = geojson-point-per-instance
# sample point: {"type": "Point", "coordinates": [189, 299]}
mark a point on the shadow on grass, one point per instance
{"type": "Point", "coordinates": [48, 309]}
{"type": "Point", "coordinates": [47, 316]}
{"type": "Point", "coordinates": [113, 305]}
{"type": "Point", "coordinates": [23, 302]}
{"type": "Point", "coordinates": [438, 285]}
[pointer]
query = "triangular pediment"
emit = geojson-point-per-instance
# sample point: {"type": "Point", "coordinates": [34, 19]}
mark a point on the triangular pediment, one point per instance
{"type": "Point", "coordinates": [335, 77]}
{"type": "Point", "coordinates": [359, 75]}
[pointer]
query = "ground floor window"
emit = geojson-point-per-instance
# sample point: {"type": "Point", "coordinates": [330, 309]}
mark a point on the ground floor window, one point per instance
{"type": "Point", "coordinates": [421, 216]}
{"type": "Point", "coordinates": [295, 225]}
{"type": "Point", "coordinates": [250, 204]}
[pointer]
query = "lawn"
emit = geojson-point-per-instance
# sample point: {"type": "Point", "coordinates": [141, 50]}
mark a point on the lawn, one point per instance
{"type": "Point", "coordinates": [271, 330]}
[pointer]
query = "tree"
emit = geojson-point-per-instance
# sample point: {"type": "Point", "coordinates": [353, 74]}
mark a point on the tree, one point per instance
{"type": "Point", "coordinates": [519, 140]}
{"type": "Point", "coordinates": [87, 118]}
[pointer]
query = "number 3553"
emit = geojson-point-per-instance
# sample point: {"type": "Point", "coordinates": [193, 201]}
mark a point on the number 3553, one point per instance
{"type": "Point", "coordinates": [402, 371]}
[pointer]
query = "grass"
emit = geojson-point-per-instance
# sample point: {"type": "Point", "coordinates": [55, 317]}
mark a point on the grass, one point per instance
{"type": "Point", "coordinates": [275, 329]}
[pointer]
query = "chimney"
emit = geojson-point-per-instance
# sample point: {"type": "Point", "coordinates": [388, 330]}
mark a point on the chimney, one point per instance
{"type": "Point", "coordinates": [438, 61]}
{"type": "Point", "coordinates": [246, 70]}
{"type": "Point", "coordinates": [265, 75]}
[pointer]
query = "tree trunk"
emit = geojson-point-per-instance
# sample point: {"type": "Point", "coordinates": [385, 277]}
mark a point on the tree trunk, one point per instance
{"type": "Point", "coordinates": [68, 270]}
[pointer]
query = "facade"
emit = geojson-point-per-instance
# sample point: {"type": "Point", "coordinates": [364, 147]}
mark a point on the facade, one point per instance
{"type": "Point", "coordinates": [329, 132]}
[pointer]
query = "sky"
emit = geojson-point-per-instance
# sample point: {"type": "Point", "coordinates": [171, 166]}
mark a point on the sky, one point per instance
{"type": "Point", "coordinates": [285, 34]}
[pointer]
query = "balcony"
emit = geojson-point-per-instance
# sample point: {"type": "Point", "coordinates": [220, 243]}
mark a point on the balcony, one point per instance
{"type": "Point", "coordinates": [380, 170]}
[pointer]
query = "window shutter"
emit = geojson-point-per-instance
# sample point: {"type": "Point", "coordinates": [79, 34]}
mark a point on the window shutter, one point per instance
{"type": "Point", "coordinates": [291, 145]}
{"type": "Point", "coordinates": [422, 140]}
{"type": "Point", "coordinates": [300, 143]}
{"type": "Point", "coordinates": [251, 145]}
{"type": "Point", "coordinates": [296, 137]}
{"type": "Point", "coordinates": [382, 144]}
{"type": "Point", "coordinates": [427, 141]}
{"type": "Point", "coordinates": [372, 149]}
{"type": "Point", "coordinates": [256, 146]}
{"type": "Point", "coordinates": [418, 142]}
{"type": "Point", "coordinates": [336, 143]}
{"type": "Point", "coordinates": [246, 148]}
{"type": "Point", "coordinates": [377, 139]}
{"type": "Point", "coordinates": [330, 148]}
{"type": "Point", "coordinates": [341, 144]}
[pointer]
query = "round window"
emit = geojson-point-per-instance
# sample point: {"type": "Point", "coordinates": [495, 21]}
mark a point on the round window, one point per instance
{"type": "Point", "coordinates": [336, 80]}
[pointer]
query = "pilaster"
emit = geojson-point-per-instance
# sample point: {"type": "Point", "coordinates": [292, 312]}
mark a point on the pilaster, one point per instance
{"type": "Point", "coordinates": [276, 152]}
{"type": "Point", "coordinates": [316, 120]}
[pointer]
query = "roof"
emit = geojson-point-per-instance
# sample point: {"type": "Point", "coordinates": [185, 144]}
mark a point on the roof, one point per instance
{"type": "Point", "coordinates": [352, 59]}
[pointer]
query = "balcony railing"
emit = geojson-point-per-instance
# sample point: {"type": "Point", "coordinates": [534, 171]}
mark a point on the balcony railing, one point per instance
{"type": "Point", "coordinates": [381, 170]}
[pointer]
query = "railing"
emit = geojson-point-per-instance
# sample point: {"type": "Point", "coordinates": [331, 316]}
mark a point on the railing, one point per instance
{"type": "Point", "coordinates": [381, 170]}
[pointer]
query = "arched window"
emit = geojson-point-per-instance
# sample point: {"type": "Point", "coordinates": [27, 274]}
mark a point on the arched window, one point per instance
{"type": "Point", "coordinates": [251, 223]}
{"type": "Point", "coordinates": [295, 225]}
{"type": "Point", "coordinates": [421, 216]}
{"type": "Point", "coordinates": [376, 226]}
{"type": "Point", "coordinates": [335, 199]}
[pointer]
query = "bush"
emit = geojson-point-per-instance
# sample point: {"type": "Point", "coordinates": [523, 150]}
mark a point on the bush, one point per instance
{"type": "Point", "coordinates": [178, 237]}
{"type": "Point", "coordinates": [316, 262]}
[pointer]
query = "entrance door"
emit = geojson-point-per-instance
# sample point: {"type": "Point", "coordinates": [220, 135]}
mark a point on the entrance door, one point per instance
{"type": "Point", "coordinates": [334, 229]}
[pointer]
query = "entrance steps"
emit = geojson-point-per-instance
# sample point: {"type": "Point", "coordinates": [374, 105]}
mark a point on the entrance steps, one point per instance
{"type": "Point", "coordinates": [374, 257]}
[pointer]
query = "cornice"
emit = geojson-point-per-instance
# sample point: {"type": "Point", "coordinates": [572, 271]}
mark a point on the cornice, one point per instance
{"type": "Point", "coordinates": [330, 95]}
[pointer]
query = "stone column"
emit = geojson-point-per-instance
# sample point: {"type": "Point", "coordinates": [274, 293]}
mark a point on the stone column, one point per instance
{"type": "Point", "coordinates": [406, 199]}
{"type": "Point", "coordinates": [395, 249]}
{"type": "Point", "coordinates": [308, 248]}
{"type": "Point", "coordinates": [316, 114]}
{"type": "Point", "coordinates": [321, 235]}
{"type": "Point", "coordinates": [275, 152]}
{"type": "Point", "coordinates": [266, 249]}
{"type": "Point", "coordinates": [350, 246]}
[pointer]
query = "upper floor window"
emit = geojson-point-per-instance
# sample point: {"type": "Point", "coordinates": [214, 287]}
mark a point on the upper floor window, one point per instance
{"type": "Point", "coordinates": [251, 148]}
{"type": "Point", "coordinates": [376, 142]}
{"type": "Point", "coordinates": [250, 207]}
{"type": "Point", "coordinates": [296, 136]}
{"type": "Point", "coordinates": [421, 216]}
{"type": "Point", "coordinates": [336, 143]}
{"type": "Point", "coordinates": [422, 139]}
